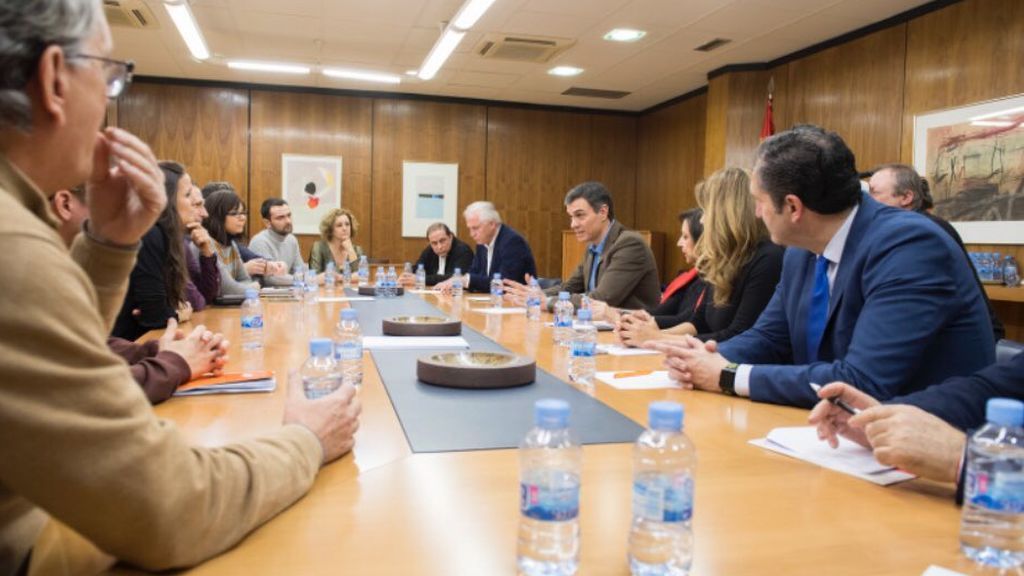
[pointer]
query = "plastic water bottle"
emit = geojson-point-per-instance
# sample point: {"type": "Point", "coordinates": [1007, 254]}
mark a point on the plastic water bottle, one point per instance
{"type": "Point", "coordinates": [378, 282]}
{"type": "Point", "coordinates": [391, 281]}
{"type": "Point", "coordinates": [298, 286]}
{"type": "Point", "coordinates": [252, 321]}
{"type": "Point", "coordinates": [457, 283]}
{"type": "Point", "coordinates": [582, 361]}
{"type": "Point", "coordinates": [992, 525]}
{"type": "Point", "coordinates": [497, 291]}
{"type": "Point", "coordinates": [310, 286]}
{"type": "Point", "coordinates": [534, 298]}
{"type": "Point", "coordinates": [329, 271]}
{"type": "Point", "coordinates": [364, 271]}
{"type": "Point", "coordinates": [997, 268]}
{"type": "Point", "coordinates": [563, 319]}
{"type": "Point", "coordinates": [346, 273]}
{"type": "Point", "coordinates": [348, 347]}
{"type": "Point", "coordinates": [320, 373]}
{"type": "Point", "coordinates": [1011, 273]}
{"type": "Point", "coordinates": [421, 277]}
{"type": "Point", "coordinates": [664, 464]}
{"type": "Point", "coordinates": [549, 490]}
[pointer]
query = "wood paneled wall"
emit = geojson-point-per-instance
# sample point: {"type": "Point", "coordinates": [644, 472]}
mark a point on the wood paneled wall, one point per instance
{"type": "Point", "coordinates": [669, 164]}
{"type": "Point", "coordinates": [405, 130]}
{"type": "Point", "coordinates": [206, 129]}
{"type": "Point", "coordinates": [736, 101]}
{"type": "Point", "coordinates": [534, 157]}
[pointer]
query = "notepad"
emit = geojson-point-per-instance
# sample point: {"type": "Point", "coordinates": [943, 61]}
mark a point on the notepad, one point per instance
{"type": "Point", "coordinates": [620, 350]}
{"type": "Point", "coordinates": [413, 342]}
{"type": "Point", "coordinates": [849, 458]}
{"type": "Point", "coordinates": [478, 298]}
{"type": "Point", "coordinates": [638, 379]}
{"type": "Point", "coordinates": [427, 291]}
{"type": "Point", "coordinates": [600, 325]}
{"type": "Point", "coordinates": [279, 293]}
{"type": "Point", "coordinates": [344, 298]}
{"type": "Point", "coordinates": [229, 383]}
{"type": "Point", "coordinates": [499, 311]}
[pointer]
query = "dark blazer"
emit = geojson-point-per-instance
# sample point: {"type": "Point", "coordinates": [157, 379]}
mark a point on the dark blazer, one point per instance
{"type": "Point", "coordinates": [147, 290]}
{"type": "Point", "coordinates": [459, 256]}
{"type": "Point", "coordinates": [682, 306]}
{"type": "Point", "coordinates": [905, 313]}
{"type": "Point", "coordinates": [961, 400]}
{"type": "Point", "coordinates": [627, 276]}
{"type": "Point", "coordinates": [512, 258]}
{"type": "Point", "coordinates": [752, 290]}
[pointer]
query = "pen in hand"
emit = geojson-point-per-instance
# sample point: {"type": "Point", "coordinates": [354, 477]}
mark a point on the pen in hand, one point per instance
{"type": "Point", "coordinates": [836, 401]}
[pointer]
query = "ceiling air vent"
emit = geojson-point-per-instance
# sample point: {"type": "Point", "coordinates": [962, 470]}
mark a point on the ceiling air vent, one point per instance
{"type": "Point", "coordinates": [709, 46]}
{"type": "Point", "coordinates": [129, 14]}
{"type": "Point", "coordinates": [522, 48]}
{"type": "Point", "coordinates": [595, 93]}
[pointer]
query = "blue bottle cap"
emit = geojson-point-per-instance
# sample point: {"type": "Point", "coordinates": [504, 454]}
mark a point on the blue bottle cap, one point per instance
{"type": "Point", "coordinates": [321, 347]}
{"type": "Point", "coordinates": [458, 271]}
{"type": "Point", "coordinates": [497, 275]}
{"type": "Point", "coordinates": [667, 416]}
{"type": "Point", "coordinates": [563, 295]}
{"type": "Point", "coordinates": [1005, 412]}
{"type": "Point", "coordinates": [251, 293]}
{"type": "Point", "coordinates": [551, 413]}
{"type": "Point", "coordinates": [349, 314]}
{"type": "Point", "coordinates": [584, 315]}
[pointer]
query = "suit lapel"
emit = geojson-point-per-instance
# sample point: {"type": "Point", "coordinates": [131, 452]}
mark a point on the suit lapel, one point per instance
{"type": "Point", "coordinates": [851, 251]}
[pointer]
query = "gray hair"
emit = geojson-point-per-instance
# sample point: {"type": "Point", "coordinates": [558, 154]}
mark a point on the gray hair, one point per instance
{"type": "Point", "coordinates": [907, 181]}
{"type": "Point", "coordinates": [27, 27]}
{"type": "Point", "coordinates": [483, 210]}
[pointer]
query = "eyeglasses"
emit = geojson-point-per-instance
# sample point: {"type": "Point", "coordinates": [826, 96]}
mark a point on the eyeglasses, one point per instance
{"type": "Point", "coordinates": [117, 72]}
{"type": "Point", "coordinates": [238, 214]}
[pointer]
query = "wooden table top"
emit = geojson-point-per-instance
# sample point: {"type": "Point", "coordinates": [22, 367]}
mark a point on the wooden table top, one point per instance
{"type": "Point", "coordinates": [384, 510]}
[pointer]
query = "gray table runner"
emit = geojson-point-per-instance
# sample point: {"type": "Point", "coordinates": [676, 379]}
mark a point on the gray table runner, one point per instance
{"type": "Point", "coordinates": [437, 419]}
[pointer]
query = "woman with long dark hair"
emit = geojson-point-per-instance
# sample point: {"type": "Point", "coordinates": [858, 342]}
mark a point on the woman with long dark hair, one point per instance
{"type": "Point", "coordinates": [156, 287]}
{"type": "Point", "coordinates": [226, 224]}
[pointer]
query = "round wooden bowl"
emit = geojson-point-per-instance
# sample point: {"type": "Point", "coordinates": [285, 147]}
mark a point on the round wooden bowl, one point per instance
{"type": "Point", "coordinates": [421, 326]}
{"type": "Point", "coordinates": [476, 370]}
{"type": "Point", "coordinates": [371, 291]}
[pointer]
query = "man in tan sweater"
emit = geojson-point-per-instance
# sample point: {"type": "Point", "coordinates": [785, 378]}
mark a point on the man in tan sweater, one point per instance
{"type": "Point", "coordinates": [78, 439]}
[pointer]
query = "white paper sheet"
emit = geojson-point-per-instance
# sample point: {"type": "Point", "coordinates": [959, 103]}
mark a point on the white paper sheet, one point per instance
{"type": "Point", "coordinates": [478, 298]}
{"type": "Point", "coordinates": [849, 458]}
{"type": "Point", "coordinates": [502, 310]}
{"type": "Point", "coordinates": [426, 291]}
{"type": "Point", "coordinates": [940, 571]}
{"type": "Point", "coordinates": [644, 380]}
{"type": "Point", "coordinates": [344, 298]}
{"type": "Point", "coordinates": [620, 350]}
{"type": "Point", "coordinates": [413, 342]}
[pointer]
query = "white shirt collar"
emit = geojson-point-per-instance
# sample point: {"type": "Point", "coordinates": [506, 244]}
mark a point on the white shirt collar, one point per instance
{"type": "Point", "coordinates": [834, 249]}
{"type": "Point", "coordinates": [490, 245]}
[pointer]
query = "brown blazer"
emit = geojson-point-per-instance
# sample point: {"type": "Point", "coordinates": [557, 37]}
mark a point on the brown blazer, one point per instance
{"type": "Point", "coordinates": [627, 276]}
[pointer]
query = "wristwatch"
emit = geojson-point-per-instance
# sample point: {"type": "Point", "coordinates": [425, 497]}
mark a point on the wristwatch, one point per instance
{"type": "Point", "coordinates": [727, 381]}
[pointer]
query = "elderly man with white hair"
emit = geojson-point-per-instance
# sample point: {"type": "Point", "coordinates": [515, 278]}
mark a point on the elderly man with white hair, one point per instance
{"type": "Point", "coordinates": [499, 249]}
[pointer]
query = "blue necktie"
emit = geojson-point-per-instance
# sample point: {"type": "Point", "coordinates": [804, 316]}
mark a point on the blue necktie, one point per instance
{"type": "Point", "coordinates": [818, 312]}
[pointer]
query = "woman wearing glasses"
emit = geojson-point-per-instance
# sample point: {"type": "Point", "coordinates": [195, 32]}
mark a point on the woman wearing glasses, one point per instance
{"type": "Point", "coordinates": [156, 287]}
{"type": "Point", "coordinates": [226, 224]}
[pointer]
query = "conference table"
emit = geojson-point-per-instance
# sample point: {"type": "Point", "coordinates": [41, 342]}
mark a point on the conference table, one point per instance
{"type": "Point", "coordinates": [384, 509]}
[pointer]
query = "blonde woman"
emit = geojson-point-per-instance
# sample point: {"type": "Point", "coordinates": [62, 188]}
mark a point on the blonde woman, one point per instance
{"type": "Point", "coordinates": [337, 230]}
{"type": "Point", "coordinates": [736, 259]}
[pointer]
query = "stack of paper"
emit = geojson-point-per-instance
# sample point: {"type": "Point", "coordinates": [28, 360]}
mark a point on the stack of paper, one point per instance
{"type": "Point", "coordinates": [229, 383]}
{"type": "Point", "coordinates": [849, 458]}
{"type": "Point", "coordinates": [601, 325]}
{"type": "Point", "coordinates": [638, 379]}
{"type": "Point", "coordinates": [279, 293]}
{"type": "Point", "coordinates": [407, 342]}
{"type": "Point", "coordinates": [620, 350]}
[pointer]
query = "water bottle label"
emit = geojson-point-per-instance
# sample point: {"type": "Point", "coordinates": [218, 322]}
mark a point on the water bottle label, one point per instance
{"type": "Point", "coordinates": [1000, 491]}
{"type": "Point", "coordinates": [533, 301]}
{"type": "Point", "coordinates": [563, 322]}
{"type": "Point", "coordinates": [349, 351]}
{"type": "Point", "coordinates": [663, 498]}
{"type": "Point", "coordinates": [583, 349]}
{"type": "Point", "coordinates": [252, 321]}
{"type": "Point", "coordinates": [550, 503]}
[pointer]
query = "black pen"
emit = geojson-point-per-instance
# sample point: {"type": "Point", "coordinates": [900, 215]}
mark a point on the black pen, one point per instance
{"type": "Point", "coordinates": [836, 401]}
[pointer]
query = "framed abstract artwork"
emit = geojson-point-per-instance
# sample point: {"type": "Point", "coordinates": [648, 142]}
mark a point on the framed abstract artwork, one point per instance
{"type": "Point", "coordinates": [312, 187]}
{"type": "Point", "coordinates": [430, 193]}
{"type": "Point", "coordinates": [973, 157]}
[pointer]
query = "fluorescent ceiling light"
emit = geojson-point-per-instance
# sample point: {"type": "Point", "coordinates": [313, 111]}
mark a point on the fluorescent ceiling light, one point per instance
{"type": "Point", "coordinates": [364, 76]}
{"type": "Point", "coordinates": [440, 52]}
{"type": "Point", "coordinates": [565, 71]}
{"type": "Point", "coordinates": [411, 72]}
{"type": "Point", "coordinates": [624, 35]}
{"type": "Point", "coordinates": [181, 14]}
{"type": "Point", "coordinates": [268, 67]}
{"type": "Point", "coordinates": [470, 12]}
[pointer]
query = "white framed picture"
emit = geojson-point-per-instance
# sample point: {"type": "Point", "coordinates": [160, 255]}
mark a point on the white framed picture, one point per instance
{"type": "Point", "coordinates": [430, 193]}
{"type": "Point", "coordinates": [973, 157]}
{"type": "Point", "coordinates": [312, 187]}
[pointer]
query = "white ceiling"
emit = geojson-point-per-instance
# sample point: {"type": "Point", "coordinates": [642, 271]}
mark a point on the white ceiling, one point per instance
{"type": "Point", "coordinates": [395, 35]}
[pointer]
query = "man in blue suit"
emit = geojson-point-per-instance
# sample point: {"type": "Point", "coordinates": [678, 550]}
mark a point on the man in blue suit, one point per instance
{"type": "Point", "coordinates": [499, 249]}
{"type": "Point", "coordinates": [871, 295]}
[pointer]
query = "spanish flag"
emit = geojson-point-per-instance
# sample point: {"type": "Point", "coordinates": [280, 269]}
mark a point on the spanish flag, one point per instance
{"type": "Point", "coordinates": [768, 126]}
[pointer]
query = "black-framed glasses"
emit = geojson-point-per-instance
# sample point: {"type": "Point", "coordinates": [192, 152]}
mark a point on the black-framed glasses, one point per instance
{"type": "Point", "coordinates": [118, 73]}
{"type": "Point", "coordinates": [238, 214]}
